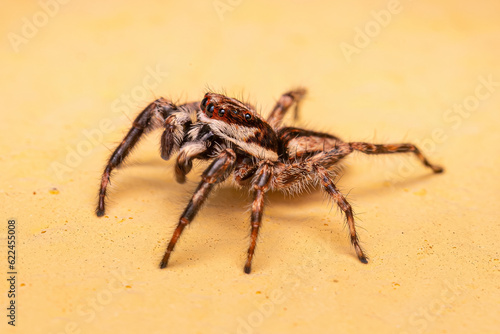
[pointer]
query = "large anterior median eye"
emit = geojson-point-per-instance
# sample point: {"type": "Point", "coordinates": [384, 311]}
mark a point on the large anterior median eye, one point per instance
{"type": "Point", "coordinates": [204, 103]}
{"type": "Point", "coordinates": [210, 110]}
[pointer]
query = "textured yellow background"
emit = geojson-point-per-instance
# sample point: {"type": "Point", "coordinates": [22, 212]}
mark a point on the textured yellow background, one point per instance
{"type": "Point", "coordinates": [432, 239]}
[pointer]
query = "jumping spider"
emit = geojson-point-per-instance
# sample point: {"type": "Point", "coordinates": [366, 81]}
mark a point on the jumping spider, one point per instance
{"type": "Point", "coordinates": [261, 154]}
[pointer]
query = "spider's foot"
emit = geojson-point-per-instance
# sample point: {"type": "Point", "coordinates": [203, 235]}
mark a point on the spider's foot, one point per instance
{"type": "Point", "coordinates": [437, 169]}
{"type": "Point", "coordinates": [247, 269]}
{"type": "Point", "coordinates": [360, 253]}
{"type": "Point", "coordinates": [248, 265]}
{"type": "Point", "coordinates": [99, 212]}
{"type": "Point", "coordinates": [164, 261]}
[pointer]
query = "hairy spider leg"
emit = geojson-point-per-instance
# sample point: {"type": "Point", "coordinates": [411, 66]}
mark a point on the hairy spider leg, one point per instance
{"type": "Point", "coordinates": [297, 144]}
{"type": "Point", "coordinates": [169, 137]}
{"type": "Point", "coordinates": [368, 148]}
{"type": "Point", "coordinates": [217, 172]}
{"type": "Point", "coordinates": [143, 123]}
{"type": "Point", "coordinates": [283, 104]}
{"type": "Point", "coordinates": [260, 185]}
{"type": "Point", "coordinates": [341, 201]}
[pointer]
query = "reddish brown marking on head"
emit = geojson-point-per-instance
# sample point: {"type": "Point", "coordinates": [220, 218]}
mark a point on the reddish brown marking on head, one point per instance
{"type": "Point", "coordinates": [239, 122]}
{"type": "Point", "coordinates": [229, 110]}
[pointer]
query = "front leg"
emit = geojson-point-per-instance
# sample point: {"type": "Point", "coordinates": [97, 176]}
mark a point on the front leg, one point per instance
{"type": "Point", "coordinates": [260, 185]}
{"type": "Point", "coordinates": [215, 173]}
{"type": "Point", "coordinates": [150, 118]}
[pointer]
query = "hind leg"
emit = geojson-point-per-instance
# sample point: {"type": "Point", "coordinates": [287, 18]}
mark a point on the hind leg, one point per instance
{"type": "Point", "coordinates": [368, 148]}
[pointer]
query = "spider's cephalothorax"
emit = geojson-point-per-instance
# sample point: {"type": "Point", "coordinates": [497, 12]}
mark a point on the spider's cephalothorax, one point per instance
{"type": "Point", "coordinates": [261, 154]}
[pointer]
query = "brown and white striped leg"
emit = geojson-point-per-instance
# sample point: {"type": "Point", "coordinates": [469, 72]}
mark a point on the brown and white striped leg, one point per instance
{"type": "Point", "coordinates": [330, 188]}
{"type": "Point", "coordinates": [143, 123]}
{"type": "Point", "coordinates": [368, 148]}
{"type": "Point", "coordinates": [217, 172]}
{"type": "Point", "coordinates": [260, 185]}
{"type": "Point", "coordinates": [284, 103]}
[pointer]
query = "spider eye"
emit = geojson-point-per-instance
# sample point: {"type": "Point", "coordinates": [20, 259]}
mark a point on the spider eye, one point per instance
{"type": "Point", "coordinates": [204, 103]}
{"type": "Point", "coordinates": [210, 110]}
{"type": "Point", "coordinates": [248, 117]}
{"type": "Point", "coordinates": [221, 112]}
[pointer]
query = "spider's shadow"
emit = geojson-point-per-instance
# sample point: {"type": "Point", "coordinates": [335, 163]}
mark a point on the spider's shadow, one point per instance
{"type": "Point", "coordinates": [291, 210]}
{"type": "Point", "coordinates": [127, 185]}
{"type": "Point", "coordinates": [393, 186]}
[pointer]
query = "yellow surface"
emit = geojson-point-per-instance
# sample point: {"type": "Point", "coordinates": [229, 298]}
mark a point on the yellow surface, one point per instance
{"type": "Point", "coordinates": [432, 239]}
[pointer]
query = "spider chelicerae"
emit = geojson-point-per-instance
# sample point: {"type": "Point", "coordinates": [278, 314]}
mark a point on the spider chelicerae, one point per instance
{"type": "Point", "coordinates": [262, 154]}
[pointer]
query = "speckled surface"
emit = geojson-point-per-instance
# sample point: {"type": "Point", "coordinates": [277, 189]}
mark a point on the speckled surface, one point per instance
{"type": "Point", "coordinates": [420, 75]}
